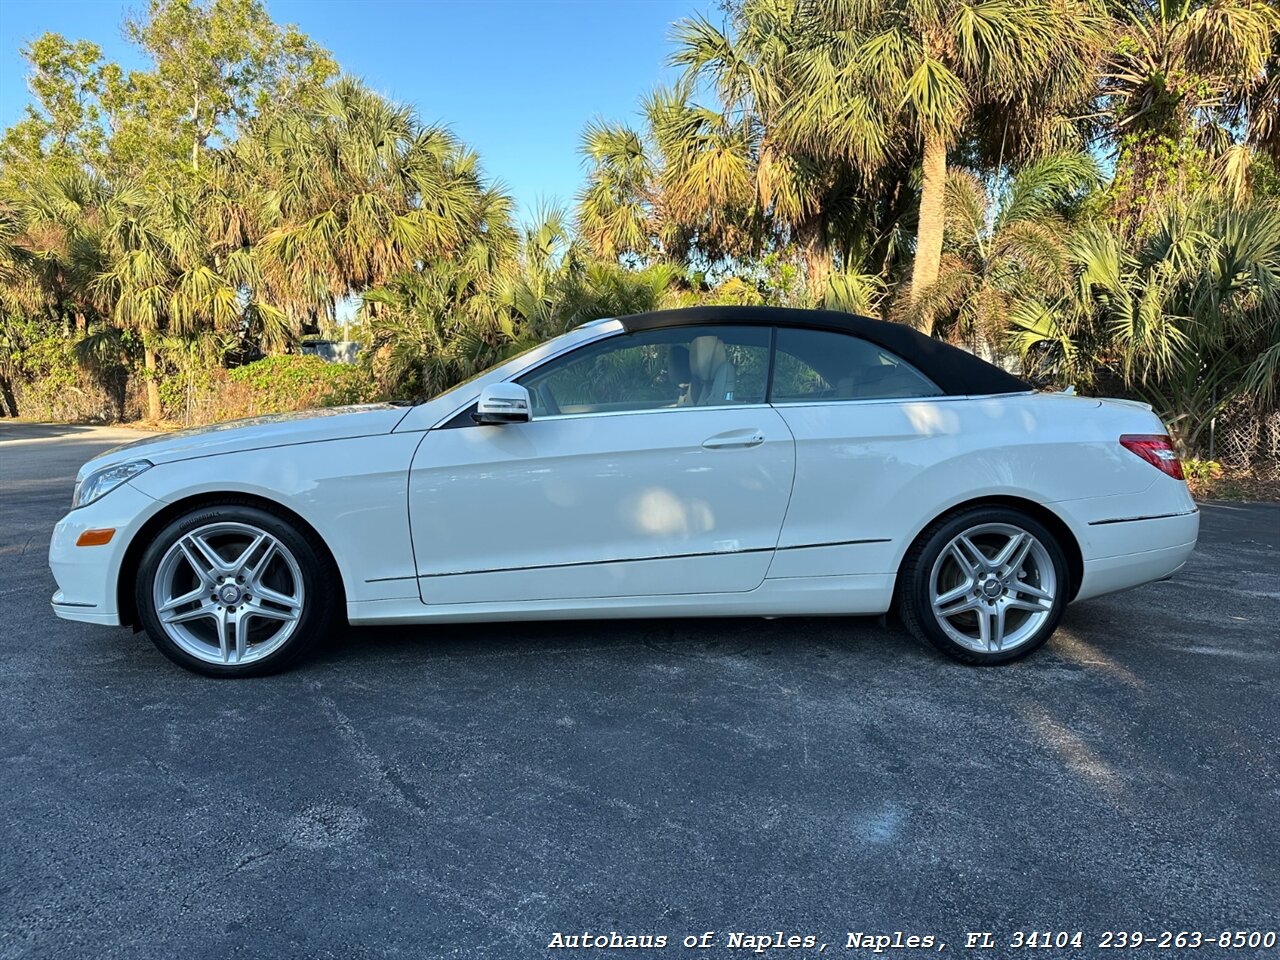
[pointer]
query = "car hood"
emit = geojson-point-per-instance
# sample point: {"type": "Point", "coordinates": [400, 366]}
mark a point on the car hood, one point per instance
{"type": "Point", "coordinates": [257, 433]}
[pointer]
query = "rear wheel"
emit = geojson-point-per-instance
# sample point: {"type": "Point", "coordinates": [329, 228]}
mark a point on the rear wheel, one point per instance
{"type": "Point", "coordinates": [233, 590]}
{"type": "Point", "coordinates": [986, 586]}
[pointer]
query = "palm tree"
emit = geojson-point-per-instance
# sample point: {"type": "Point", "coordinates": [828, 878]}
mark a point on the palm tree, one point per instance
{"type": "Point", "coordinates": [530, 287]}
{"type": "Point", "coordinates": [62, 218]}
{"type": "Point", "coordinates": [706, 177]}
{"type": "Point", "coordinates": [772, 183]}
{"type": "Point", "coordinates": [1004, 257]}
{"type": "Point", "coordinates": [159, 276]}
{"type": "Point", "coordinates": [876, 77]}
{"type": "Point", "coordinates": [1190, 83]}
{"type": "Point", "coordinates": [433, 327]}
{"type": "Point", "coordinates": [1188, 316]}
{"type": "Point", "coordinates": [106, 353]}
{"type": "Point", "coordinates": [614, 206]}
{"type": "Point", "coordinates": [126, 258]}
{"type": "Point", "coordinates": [554, 284]}
{"type": "Point", "coordinates": [604, 289]}
{"type": "Point", "coordinates": [353, 191]}
{"type": "Point", "coordinates": [764, 179]}
{"type": "Point", "coordinates": [20, 291]}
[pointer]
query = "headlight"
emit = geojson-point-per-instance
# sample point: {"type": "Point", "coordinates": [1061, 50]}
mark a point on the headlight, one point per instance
{"type": "Point", "coordinates": [101, 482]}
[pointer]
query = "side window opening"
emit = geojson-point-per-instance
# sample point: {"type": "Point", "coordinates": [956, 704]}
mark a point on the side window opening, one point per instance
{"type": "Point", "coordinates": [814, 366]}
{"type": "Point", "coordinates": [655, 370]}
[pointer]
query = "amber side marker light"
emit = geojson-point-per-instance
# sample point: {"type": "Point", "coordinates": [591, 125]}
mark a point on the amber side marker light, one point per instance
{"type": "Point", "coordinates": [95, 538]}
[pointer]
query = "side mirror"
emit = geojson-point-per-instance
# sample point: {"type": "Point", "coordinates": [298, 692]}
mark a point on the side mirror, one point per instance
{"type": "Point", "coordinates": [503, 403]}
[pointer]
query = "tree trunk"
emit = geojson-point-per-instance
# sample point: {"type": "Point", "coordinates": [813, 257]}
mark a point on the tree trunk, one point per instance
{"type": "Point", "coordinates": [817, 262]}
{"type": "Point", "coordinates": [195, 134]}
{"type": "Point", "coordinates": [932, 219]}
{"type": "Point", "coordinates": [6, 391]}
{"type": "Point", "coordinates": [154, 412]}
{"type": "Point", "coordinates": [120, 391]}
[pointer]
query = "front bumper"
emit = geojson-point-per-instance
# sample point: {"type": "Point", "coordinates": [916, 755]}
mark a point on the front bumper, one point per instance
{"type": "Point", "coordinates": [87, 576]}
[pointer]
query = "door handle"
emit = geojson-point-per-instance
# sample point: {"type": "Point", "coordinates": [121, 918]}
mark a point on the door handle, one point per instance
{"type": "Point", "coordinates": [738, 438]}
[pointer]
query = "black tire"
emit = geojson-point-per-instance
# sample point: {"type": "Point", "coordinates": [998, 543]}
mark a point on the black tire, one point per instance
{"type": "Point", "coordinates": [915, 593]}
{"type": "Point", "coordinates": [321, 588]}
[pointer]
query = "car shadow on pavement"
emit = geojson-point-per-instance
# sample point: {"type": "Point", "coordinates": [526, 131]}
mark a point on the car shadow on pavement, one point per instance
{"type": "Point", "coordinates": [697, 637]}
{"type": "Point", "coordinates": [1083, 645]}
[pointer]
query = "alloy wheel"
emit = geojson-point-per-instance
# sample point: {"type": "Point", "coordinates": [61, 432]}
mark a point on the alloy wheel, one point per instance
{"type": "Point", "coordinates": [228, 593]}
{"type": "Point", "coordinates": [992, 587]}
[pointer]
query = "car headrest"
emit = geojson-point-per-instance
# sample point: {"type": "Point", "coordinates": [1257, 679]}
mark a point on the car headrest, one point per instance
{"type": "Point", "coordinates": [706, 355]}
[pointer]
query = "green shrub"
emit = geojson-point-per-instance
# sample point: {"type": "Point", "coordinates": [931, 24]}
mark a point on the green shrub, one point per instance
{"type": "Point", "coordinates": [294, 382]}
{"type": "Point", "coordinates": [185, 394]}
{"type": "Point", "coordinates": [1202, 476]}
{"type": "Point", "coordinates": [1201, 471]}
{"type": "Point", "coordinates": [47, 380]}
{"type": "Point", "coordinates": [271, 385]}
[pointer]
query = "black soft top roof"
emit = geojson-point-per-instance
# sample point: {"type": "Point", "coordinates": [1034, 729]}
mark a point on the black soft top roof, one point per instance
{"type": "Point", "coordinates": [952, 369]}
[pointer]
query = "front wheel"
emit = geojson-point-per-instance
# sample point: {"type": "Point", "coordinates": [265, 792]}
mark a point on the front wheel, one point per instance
{"type": "Point", "coordinates": [986, 586]}
{"type": "Point", "coordinates": [233, 590]}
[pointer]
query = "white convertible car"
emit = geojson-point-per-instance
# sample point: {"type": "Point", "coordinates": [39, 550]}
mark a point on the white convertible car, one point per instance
{"type": "Point", "coordinates": [716, 461]}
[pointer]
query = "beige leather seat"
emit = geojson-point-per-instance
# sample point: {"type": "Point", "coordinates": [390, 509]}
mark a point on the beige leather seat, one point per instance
{"type": "Point", "coordinates": [714, 376]}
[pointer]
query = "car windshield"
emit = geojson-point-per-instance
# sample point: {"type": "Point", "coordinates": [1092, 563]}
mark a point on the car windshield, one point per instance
{"type": "Point", "coordinates": [489, 369]}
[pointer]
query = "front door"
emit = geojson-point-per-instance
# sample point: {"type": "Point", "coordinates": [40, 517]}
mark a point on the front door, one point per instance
{"type": "Point", "coordinates": [652, 467]}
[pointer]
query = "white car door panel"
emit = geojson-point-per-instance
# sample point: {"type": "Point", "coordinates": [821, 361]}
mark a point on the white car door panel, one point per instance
{"type": "Point", "coordinates": [674, 501]}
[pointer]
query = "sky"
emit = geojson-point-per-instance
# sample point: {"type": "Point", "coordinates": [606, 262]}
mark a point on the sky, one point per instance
{"type": "Point", "coordinates": [516, 80]}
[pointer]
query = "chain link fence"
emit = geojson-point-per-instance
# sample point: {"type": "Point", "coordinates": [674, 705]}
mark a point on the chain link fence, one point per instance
{"type": "Point", "coordinates": [1245, 438]}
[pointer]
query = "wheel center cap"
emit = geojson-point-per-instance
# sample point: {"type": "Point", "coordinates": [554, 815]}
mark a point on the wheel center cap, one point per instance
{"type": "Point", "coordinates": [230, 594]}
{"type": "Point", "coordinates": [993, 588]}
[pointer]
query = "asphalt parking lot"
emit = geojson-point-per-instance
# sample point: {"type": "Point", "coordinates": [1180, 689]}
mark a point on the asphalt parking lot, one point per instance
{"type": "Point", "coordinates": [470, 791]}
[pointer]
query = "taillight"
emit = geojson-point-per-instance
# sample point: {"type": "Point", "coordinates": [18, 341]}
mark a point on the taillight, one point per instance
{"type": "Point", "coordinates": [1156, 449]}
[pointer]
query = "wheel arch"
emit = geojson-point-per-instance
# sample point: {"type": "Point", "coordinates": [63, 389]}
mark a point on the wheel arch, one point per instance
{"type": "Point", "coordinates": [1037, 511]}
{"type": "Point", "coordinates": [146, 533]}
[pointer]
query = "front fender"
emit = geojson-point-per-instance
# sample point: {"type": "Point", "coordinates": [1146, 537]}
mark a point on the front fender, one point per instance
{"type": "Point", "coordinates": [352, 492]}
